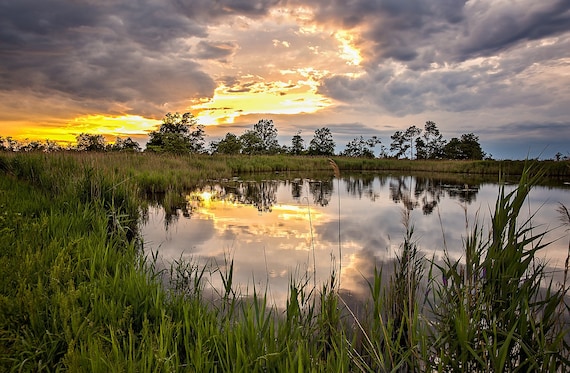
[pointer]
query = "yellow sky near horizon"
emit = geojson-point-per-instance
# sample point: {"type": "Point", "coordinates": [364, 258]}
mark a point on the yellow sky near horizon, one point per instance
{"type": "Point", "coordinates": [277, 74]}
{"type": "Point", "coordinates": [227, 104]}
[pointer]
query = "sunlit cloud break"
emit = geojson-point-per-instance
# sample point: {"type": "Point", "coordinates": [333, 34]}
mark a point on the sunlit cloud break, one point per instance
{"type": "Point", "coordinates": [229, 103]}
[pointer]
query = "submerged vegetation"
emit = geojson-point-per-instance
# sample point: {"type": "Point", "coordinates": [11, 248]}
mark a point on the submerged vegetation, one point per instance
{"type": "Point", "coordinates": [76, 294]}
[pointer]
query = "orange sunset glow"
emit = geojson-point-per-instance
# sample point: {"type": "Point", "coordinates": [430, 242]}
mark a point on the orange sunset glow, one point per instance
{"type": "Point", "coordinates": [267, 98]}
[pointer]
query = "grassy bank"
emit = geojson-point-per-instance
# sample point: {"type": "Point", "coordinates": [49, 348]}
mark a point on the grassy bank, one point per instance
{"type": "Point", "coordinates": [161, 173]}
{"type": "Point", "coordinates": [76, 294]}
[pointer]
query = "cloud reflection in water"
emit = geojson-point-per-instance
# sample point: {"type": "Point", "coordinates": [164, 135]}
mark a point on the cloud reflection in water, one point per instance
{"type": "Point", "coordinates": [270, 228]}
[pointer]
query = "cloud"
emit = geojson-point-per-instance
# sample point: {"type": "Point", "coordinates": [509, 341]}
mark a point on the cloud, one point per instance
{"type": "Point", "coordinates": [215, 50]}
{"type": "Point", "coordinates": [494, 25]}
{"type": "Point", "coordinates": [223, 8]}
{"type": "Point", "coordinates": [101, 54]}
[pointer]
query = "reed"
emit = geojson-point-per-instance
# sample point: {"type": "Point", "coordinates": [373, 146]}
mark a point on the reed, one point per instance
{"type": "Point", "coordinates": [492, 312]}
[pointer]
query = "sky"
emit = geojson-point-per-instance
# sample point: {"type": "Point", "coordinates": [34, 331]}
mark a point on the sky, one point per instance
{"type": "Point", "coordinates": [497, 68]}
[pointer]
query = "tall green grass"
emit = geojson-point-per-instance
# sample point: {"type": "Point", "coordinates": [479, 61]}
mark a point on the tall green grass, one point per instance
{"type": "Point", "coordinates": [77, 294]}
{"type": "Point", "coordinates": [500, 309]}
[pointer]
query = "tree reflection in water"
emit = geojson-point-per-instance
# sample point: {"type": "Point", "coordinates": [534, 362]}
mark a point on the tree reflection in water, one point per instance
{"type": "Point", "coordinates": [362, 185]}
{"type": "Point", "coordinates": [277, 229]}
{"type": "Point", "coordinates": [262, 195]}
{"type": "Point", "coordinates": [321, 190]}
{"type": "Point", "coordinates": [416, 191]}
{"type": "Point", "coordinates": [411, 191]}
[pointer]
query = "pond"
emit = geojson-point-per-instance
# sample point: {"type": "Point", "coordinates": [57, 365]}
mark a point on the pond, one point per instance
{"type": "Point", "coordinates": [292, 227]}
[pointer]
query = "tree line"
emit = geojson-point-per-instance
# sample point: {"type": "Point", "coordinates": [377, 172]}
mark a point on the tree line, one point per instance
{"type": "Point", "coordinates": [181, 134]}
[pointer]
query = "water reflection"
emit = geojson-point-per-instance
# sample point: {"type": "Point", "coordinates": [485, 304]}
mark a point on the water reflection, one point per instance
{"type": "Point", "coordinates": [278, 229]}
{"type": "Point", "coordinates": [414, 192]}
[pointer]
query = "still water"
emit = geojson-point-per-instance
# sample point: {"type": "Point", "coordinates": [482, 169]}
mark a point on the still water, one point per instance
{"type": "Point", "coordinates": [290, 227]}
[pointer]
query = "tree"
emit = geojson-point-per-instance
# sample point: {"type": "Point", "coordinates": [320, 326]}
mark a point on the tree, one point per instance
{"type": "Point", "coordinates": [251, 143]}
{"type": "Point", "coordinates": [433, 142]}
{"type": "Point", "coordinates": [127, 144]}
{"type": "Point", "coordinates": [361, 148]}
{"type": "Point", "coordinates": [31, 146]}
{"type": "Point", "coordinates": [230, 144]}
{"type": "Point", "coordinates": [267, 133]}
{"type": "Point", "coordinates": [90, 142]}
{"type": "Point", "coordinates": [411, 133]}
{"type": "Point", "coordinates": [297, 144]}
{"type": "Point", "coordinates": [471, 147]}
{"type": "Point", "coordinates": [322, 143]}
{"type": "Point", "coordinates": [399, 145]}
{"type": "Point", "coordinates": [261, 139]}
{"type": "Point", "coordinates": [177, 134]}
{"type": "Point", "coordinates": [421, 149]}
{"type": "Point", "coordinates": [467, 147]}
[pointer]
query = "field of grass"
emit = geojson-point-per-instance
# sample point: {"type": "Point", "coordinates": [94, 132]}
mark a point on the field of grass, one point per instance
{"type": "Point", "coordinates": [76, 294]}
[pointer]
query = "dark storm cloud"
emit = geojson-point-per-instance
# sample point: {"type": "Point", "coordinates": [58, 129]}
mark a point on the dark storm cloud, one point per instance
{"type": "Point", "coordinates": [215, 50]}
{"type": "Point", "coordinates": [108, 52]}
{"type": "Point", "coordinates": [220, 8]}
{"type": "Point", "coordinates": [393, 29]}
{"type": "Point", "coordinates": [492, 27]}
{"type": "Point", "coordinates": [501, 84]}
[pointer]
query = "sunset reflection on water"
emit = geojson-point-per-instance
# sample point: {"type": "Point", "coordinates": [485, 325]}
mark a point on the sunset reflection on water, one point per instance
{"type": "Point", "coordinates": [276, 231]}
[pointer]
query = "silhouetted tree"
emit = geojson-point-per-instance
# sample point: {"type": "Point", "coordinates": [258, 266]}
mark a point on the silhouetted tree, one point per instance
{"type": "Point", "coordinates": [411, 133]}
{"type": "Point", "coordinates": [267, 133]}
{"type": "Point", "coordinates": [432, 142]}
{"type": "Point", "coordinates": [127, 144]}
{"type": "Point", "coordinates": [230, 144]}
{"type": "Point", "coordinates": [90, 142]}
{"type": "Point", "coordinates": [467, 147]}
{"type": "Point", "coordinates": [322, 143]}
{"type": "Point", "coordinates": [262, 139]}
{"type": "Point", "coordinates": [399, 145]}
{"type": "Point", "coordinates": [297, 144]}
{"type": "Point", "coordinates": [251, 143]}
{"type": "Point", "coordinates": [361, 148]}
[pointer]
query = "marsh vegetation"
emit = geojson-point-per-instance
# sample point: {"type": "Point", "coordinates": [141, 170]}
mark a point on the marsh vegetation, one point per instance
{"type": "Point", "coordinates": [80, 295]}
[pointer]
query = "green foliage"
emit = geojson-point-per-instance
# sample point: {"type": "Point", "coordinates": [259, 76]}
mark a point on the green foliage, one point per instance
{"type": "Point", "coordinates": [322, 143]}
{"type": "Point", "coordinates": [431, 144]}
{"type": "Point", "coordinates": [177, 134]}
{"type": "Point", "coordinates": [251, 143]}
{"type": "Point", "coordinates": [230, 144]}
{"type": "Point", "coordinates": [267, 133]}
{"type": "Point", "coordinates": [262, 139]}
{"type": "Point", "coordinates": [297, 144]}
{"type": "Point", "coordinates": [399, 145]}
{"type": "Point", "coordinates": [467, 147]}
{"type": "Point", "coordinates": [361, 148]}
{"type": "Point", "coordinates": [492, 312]}
{"type": "Point", "coordinates": [127, 144]}
{"type": "Point", "coordinates": [91, 142]}
{"type": "Point", "coordinates": [411, 133]}
{"type": "Point", "coordinates": [402, 141]}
